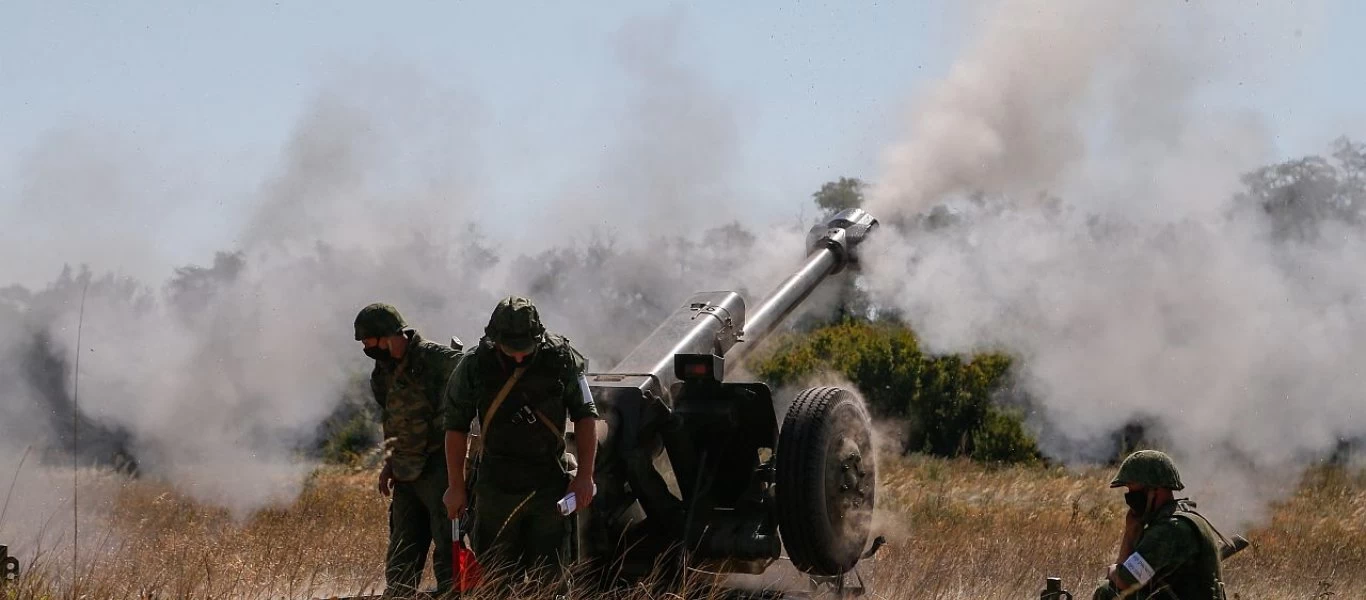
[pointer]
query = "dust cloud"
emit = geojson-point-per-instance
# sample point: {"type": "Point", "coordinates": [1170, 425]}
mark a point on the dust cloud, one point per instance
{"type": "Point", "coordinates": [1068, 194]}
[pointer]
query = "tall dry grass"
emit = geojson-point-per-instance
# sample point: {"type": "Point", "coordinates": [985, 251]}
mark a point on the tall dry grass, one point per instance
{"type": "Point", "coordinates": [963, 530]}
{"type": "Point", "coordinates": [154, 542]}
{"type": "Point", "coordinates": [956, 530]}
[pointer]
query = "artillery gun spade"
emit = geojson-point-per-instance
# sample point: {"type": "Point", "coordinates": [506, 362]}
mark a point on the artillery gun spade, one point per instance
{"type": "Point", "coordinates": [694, 470]}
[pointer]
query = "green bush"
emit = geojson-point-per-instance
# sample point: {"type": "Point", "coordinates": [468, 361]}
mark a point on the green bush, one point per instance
{"type": "Point", "coordinates": [351, 431]}
{"type": "Point", "coordinates": [1002, 438]}
{"type": "Point", "coordinates": [945, 400]}
{"type": "Point", "coordinates": [351, 441]}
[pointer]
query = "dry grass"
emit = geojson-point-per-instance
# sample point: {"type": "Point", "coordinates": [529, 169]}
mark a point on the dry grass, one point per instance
{"type": "Point", "coordinates": [962, 530]}
{"type": "Point", "coordinates": [956, 530]}
{"type": "Point", "coordinates": [155, 543]}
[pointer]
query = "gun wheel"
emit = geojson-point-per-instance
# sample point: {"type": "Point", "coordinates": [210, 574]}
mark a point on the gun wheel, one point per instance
{"type": "Point", "coordinates": [826, 480]}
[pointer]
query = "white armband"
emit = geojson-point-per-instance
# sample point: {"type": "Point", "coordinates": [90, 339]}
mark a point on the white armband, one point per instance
{"type": "Point", "coordinates": [583, 388]}
{"type": "Point", "coordinates": [1139, 568]}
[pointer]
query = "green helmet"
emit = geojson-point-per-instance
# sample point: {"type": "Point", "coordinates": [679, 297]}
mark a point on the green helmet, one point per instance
{"type": "Point", "coordinates": [1150, 468]}
{"type": "Point", "coordinates": [378, 320]}
{"type": "Point", "coordinates": [515, 324]}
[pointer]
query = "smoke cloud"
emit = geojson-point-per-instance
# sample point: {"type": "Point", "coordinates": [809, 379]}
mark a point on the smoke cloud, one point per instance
{"type": "Point", "coordinates": [1067, 194]}
{"type": "Point", "coordinates": [676, 156]}
{"type": "Point", "coordinates": [216, 376]}
{"type": "Point", "coordinates": [1104, 249]}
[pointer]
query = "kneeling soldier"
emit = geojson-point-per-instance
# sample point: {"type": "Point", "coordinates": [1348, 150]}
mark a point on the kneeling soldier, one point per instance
{"type": "Point", "coordinates": [1168, 550]}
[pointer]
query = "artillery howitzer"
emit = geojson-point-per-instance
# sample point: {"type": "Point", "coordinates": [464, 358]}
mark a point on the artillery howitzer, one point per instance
{"type": "Point", "coordinates": [693, 470]}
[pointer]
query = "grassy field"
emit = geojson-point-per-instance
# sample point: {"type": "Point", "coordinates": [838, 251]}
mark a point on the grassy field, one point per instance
{"type": "Point", "coordinates": [956, 530]}
{"type": "Point", "coordinates": [966, 531]}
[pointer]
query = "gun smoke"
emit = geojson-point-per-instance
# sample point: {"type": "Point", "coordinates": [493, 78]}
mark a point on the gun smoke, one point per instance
{"type": "Point", "coordinates": [217, 378]}
{"type": "Point", "coordinates": [1104, 250]}
{"type": "Point", "coordinates": [1067, 194]}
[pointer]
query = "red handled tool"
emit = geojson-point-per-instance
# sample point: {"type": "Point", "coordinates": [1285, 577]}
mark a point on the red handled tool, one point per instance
{"type": "Point", "coordinates": [467, 568]}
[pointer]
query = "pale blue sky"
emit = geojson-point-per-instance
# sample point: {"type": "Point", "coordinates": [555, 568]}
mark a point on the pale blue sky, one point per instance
{"type": "Point", "coordinates": [819, 84]}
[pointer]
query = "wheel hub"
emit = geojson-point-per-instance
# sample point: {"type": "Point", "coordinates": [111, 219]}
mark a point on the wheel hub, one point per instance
{"type": "Point", "coordinates": [853, 487]}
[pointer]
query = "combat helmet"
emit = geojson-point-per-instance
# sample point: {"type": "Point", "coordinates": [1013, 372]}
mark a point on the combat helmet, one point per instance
{"type": "Point", "coordinates": [1150, 468]}
{"type": "Point", "coordinates": [515, 324]}
{"type": "Point", "coordinates": [378, 320]}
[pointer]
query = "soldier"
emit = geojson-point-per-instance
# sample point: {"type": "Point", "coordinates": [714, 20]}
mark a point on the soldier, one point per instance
{"type": "Point", "coordinates": [410, 374]}
{"type": "Point", "coordinates": [1168, 550]}
{"type": "Point", "coordinates": [522, 383]}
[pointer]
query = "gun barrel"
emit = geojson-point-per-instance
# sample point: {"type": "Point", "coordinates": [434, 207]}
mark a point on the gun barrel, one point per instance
{"type": "Point", "coordinates": [787, 296]}
{"type": "Point", "coordinates": [830, 247]}
{"type": "Point", "coordinates": [708, 322]}
{"type": "Point", "coordinates": [717, 322]}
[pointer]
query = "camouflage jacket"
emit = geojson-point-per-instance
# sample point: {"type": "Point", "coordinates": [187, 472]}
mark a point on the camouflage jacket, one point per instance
{"type": "Point", "coordinates": [517, 438]}
{"type": "Point", "coordinates": [409, 395]}
{"type": "Point", "coordinates": [1176, 556]}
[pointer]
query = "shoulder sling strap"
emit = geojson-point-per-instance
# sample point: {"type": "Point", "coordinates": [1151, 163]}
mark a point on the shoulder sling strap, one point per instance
{"type": "Point", "coordinates": [548, 423]}
{"type": "Point", "coordinates": [498, 401]}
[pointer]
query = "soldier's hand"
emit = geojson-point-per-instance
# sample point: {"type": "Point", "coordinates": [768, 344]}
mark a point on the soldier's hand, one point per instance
{"type": "Point", "coordinates": [583, 491]}
{"type": "Point", "coordinates": [1133, 523]}
{"type": "Point", "coordinates": [455, 501]}
{"type": "Point", "coordinates": [386, 481]}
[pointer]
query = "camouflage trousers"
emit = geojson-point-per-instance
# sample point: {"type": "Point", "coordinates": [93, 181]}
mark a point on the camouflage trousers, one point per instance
{"type": "Point", "coordinates": [520, 532]}
{"type": "Point", "coordinates": [418, 523]}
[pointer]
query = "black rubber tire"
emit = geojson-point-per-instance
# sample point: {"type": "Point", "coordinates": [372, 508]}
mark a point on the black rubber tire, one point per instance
{"type": "Point", "coordinates": [825, 511]}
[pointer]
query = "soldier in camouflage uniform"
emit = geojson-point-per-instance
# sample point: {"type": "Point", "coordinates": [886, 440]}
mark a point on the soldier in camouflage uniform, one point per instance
{"type": "Point", "coordinates": [1168, 550]}
{"type": "Point", "coordinates": [522, 470]}
{"type": "Point", "coordinates": [410, 374]}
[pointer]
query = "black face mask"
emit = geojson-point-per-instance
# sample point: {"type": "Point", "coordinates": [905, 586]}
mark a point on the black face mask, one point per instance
{"type": "Point", "coordinates": [1138, 501]}
{"type": "Point", "coordinates": [378, 353]}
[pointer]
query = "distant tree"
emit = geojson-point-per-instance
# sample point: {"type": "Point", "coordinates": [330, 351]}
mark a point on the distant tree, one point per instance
{"type": "Point", "coordinates": [723, 248]}
{"type": "Point", "coordinates": [834, 196]}
{"type": "Point", "coordinates": [1300, 195]}
{"type": "Point", "coordinates": [351, 432]}
{"type": "Point", "coordinates": [852, 303]}
{"type": "Point", "coordinates": [731, 237]}
{"type": "Point", "coordinates": [192, 287]}
{"type": "Point", "coordinates": [1352, 160]}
